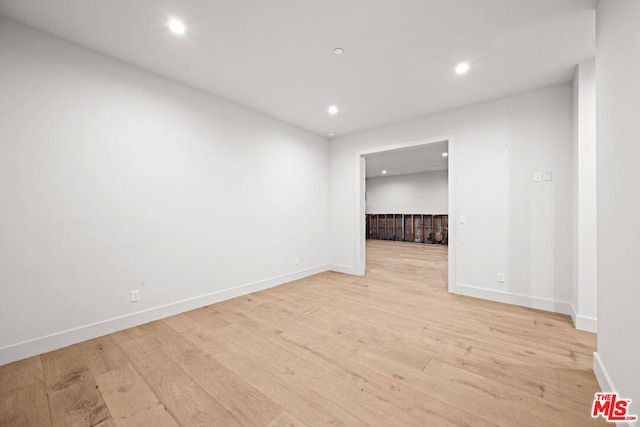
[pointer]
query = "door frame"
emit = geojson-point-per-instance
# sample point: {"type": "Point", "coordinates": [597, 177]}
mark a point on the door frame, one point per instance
{"type": "Point", "coordinates": [361, 206]}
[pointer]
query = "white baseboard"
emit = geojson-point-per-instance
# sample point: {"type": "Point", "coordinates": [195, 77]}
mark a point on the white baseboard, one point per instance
{"type": "Point", "coordinates": [584, 323]}
{"type": "Point", "coordinates": [62, 339]}
{"type": "Point", "coordinates": [512, 298]}
{"type": "Point", "coordinates": [342, 269]}
{"type": "Point", "coordinates": [606, 384]}
{"type": "Point", "coordinates": [604, 380]}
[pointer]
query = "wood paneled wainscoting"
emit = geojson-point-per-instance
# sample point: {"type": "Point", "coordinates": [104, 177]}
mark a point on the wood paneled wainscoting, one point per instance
{"type": "Point", "coordinates": [391, 348]}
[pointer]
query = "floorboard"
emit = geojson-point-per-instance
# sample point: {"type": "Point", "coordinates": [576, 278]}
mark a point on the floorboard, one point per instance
{"type": "Point", "coordinates": [392, 347]}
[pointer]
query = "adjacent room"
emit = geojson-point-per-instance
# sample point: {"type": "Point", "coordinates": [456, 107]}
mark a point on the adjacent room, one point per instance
{"type": "Point", "coordinates": [407, 194]}
{"type": "Point", "coordinates": [319, 213]}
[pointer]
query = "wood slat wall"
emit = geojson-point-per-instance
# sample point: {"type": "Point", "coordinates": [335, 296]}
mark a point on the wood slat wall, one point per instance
{"type": "Point", "coordinates": [419, 228]}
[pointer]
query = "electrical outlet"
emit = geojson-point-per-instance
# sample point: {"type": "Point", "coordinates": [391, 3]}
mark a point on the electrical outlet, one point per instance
{"type": "Point", "coordinates": [297, 260]}
{"type": "Point", "coordinates": [135, 295]}
{"type": "Point", "coordinates": [537, 176]}
{"type": "Point", "coordinates": [501, 277]}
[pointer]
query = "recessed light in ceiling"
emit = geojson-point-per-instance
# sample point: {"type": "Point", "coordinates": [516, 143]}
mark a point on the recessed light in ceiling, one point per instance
{"type": "Point", "coordinates": [462, 68]}
{"type": "Point", "coordinates": [338, 51]}
{"type": "Point", "coordinates": [333, 110]}
{"type": "Point", "coordinates": [445, 154]}
{"type": "Point", "coordinates": [331, 134]}
{"type": "Point", "coordinates": [176, 26]}
{"type": "Point", "coordinates": [384, 172]}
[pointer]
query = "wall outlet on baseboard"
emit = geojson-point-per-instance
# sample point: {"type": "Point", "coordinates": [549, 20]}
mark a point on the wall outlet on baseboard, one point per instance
{"type": "Point", "coordinates": [501, 277]}
{"type": "Point", "coordinates": [297, 260]}
{"type": "Point", "coordinates": [135, 295]}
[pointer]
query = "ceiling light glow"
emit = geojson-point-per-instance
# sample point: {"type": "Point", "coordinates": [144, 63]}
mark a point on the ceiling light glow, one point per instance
{"type": "Point", "coordinates": [333, 110]}
{"type": "Point", "coordinates": [384, 172]}
{"type": "Point", "coordinates": [445, 154]}
{"type": "Point", "coordinates": [338, 51]}
{"type": "Point", "coordinates": [462, 68]}
{"type": "Point", "coordinates": [331, 134]}
{"type": "Point", "coordinates": [176, 26]}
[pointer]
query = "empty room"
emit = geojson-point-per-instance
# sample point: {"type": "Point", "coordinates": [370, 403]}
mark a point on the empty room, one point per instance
{"type": "Point", "coordinates": [286, 213]}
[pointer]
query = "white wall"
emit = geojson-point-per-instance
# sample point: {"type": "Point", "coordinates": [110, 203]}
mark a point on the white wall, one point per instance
{"type": "Point", "coordinates": [618, 183]}
{"type": "Point", "coordinates": [419, 193]}
{"type": "Point", "coordinates": [584, 294]}
{"type": "Point", "coordinates": [111, 177]}
{"type": "Point", "coordinates": [514, 225]}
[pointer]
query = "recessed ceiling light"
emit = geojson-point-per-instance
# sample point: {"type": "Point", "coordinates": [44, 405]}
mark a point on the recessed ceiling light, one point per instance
{"type": "Point", "coordinates": [384, 172]}
{"type": "Point", "coordinates": [333, 110]}
{"type": "Point", "coordinates": [338, 51]}
{"type": "Point", "coordinates": [331, 134]}
{"type": "Point", "coordinates": [462, 68]}
{"type": "Point", "coordinates": [445, 154]}
{"type": "Point", "coordinates": [177, 26]}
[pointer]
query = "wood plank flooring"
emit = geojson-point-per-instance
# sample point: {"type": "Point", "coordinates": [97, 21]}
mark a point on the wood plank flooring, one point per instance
{"type": "Point", "coordinates": [391, 348]}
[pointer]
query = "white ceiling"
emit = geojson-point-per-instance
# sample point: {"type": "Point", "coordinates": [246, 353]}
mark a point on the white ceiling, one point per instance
{"type": "Point", "coordinates": [277, 56]}
{"type": "Point", "coordinates": [425, 158]}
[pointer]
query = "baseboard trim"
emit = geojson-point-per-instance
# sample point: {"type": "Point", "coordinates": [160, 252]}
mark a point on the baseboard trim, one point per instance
{"type": "Point", "coordinates": [513, 298]}
{"type": "Point", "coordinates": [342, 269]}
{"type": "Point", "coordinates": [33, 347]}
{"type": "Point", "coordinates": [604, 380]}
{"type": "Point", "coordinates": [584, 323]}
{"type": "Point", "coordinates": [606, 384]}
{"type": "Point", "coordinates": [589, 324]}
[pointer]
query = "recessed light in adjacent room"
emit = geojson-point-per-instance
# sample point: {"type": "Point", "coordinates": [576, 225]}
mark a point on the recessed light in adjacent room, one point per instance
{"type": "Point", "coordinates": [176, 26]}
{"type": "Point", "coordinates": [462, 68]}
{"type": "Point", "coordinates": [384, 172]}
{"type": "Point", "coordinates": [333, 110]}
{"type": "Point", "coordinates": [338, 51]}
{"type": "Point", "coordinates": [445, 154]}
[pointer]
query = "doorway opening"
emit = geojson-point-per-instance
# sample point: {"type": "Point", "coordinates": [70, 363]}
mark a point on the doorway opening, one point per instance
{"type": "Point", "coordinates": [407, 194]}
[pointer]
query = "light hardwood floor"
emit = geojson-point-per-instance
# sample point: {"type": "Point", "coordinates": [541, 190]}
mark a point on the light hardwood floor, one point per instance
{"type": "Point", "coordinates": [392, 348]}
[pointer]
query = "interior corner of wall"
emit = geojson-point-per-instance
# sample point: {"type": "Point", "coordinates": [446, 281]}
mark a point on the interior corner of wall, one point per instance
{"type": "Point", "coordinates": [573, 315]}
